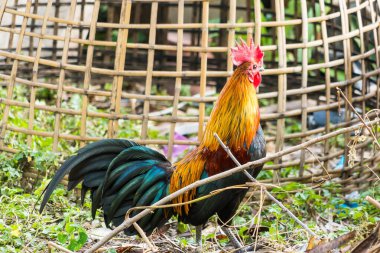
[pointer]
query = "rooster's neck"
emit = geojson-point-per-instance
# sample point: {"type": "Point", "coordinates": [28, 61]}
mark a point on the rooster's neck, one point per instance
{"type": "Point", "coordinates": [235, 117]}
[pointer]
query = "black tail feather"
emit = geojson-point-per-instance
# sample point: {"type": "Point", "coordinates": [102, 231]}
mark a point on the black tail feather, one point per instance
{"type": "Point", "coordinates": [84, 155]}
{"type": "Point", "coordinates": [120, 175]}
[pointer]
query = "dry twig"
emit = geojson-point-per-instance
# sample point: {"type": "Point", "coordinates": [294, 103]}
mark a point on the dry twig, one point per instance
{"type": "Point", "coordinates": [334, 244]}
{"type": "Point", "coordinates": [373, 201]}
{"type": "Point", "coordinates": [144, 237]}
{"type": "Point", "coordinates": [373, 172]}
{"type": "Point", "coordinates": [265, 191]}
{"type": "Point", "coordinates": [224, 174]}
{"type": "Point", "coordinates": [54, 245]}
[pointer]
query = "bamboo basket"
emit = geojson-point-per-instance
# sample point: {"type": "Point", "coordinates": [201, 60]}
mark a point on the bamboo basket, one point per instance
{"type": "Point", "coordinates": [159, 64]}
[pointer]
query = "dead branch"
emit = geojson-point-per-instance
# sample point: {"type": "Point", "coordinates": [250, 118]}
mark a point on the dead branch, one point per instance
{"type": "Point", "coordinates": [227, 173]}
{"type": "Point", "coordinates": [334, 244]}
{"type": "Point", "coordinates": [54, 245]}
{"type": "Point", "coordinates": [373, 172]}
{"type": "Point", "coordinates": [265, 190]}
{"type": "Point", "coordinates": [144, 237]}
{"type": "Point", "coordinates": [373, 201]}
{"type": "Point", "coordinates": [213, 193]}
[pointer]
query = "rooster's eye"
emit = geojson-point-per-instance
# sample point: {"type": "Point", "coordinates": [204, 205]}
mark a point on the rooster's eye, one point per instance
{"type": "Point", "coordinates": [254, 66]}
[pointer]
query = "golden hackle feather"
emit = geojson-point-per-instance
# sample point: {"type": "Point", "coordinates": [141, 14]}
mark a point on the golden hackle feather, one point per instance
{"type": "Point", "coordinates": [235, 118]}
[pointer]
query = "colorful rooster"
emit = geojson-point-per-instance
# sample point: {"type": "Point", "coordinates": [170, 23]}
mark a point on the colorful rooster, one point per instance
{"type": "Point", "coordinates": [121, 174]}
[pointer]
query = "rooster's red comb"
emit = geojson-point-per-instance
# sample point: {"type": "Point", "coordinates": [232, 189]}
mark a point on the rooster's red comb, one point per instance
{"type": "Point", "coordinates": [243, 53]}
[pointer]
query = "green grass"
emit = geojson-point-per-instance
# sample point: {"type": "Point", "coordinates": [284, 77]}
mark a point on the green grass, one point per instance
{"type": "Point", "coordinates": [23, 229]}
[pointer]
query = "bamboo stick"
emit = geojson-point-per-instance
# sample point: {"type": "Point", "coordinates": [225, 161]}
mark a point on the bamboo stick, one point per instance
{"type": "Point", "coordinates": [121, 51]}
{"type": "Point", "coordinates": [57, 122]}
{"type": "Point", "coordinates": [150, 64]}
{"type": "Point", "coordinates": [178, 80]}
{"type": "Point", "coordinates": [203, 77]}
{"type": "Point", "coordinates": [282, 84]}
{"type": "Point", "coordinates": [305, 59]}
{"type": "Point", "coordinates": [87, 73]}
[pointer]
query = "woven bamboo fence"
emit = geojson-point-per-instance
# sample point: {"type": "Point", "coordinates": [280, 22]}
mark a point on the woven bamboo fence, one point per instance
{"type": "Point", "coordinates": [146, 65]}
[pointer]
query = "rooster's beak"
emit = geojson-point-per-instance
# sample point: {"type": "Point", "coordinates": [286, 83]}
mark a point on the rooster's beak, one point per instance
{"type": "Point", "coordinates": [261, 69]}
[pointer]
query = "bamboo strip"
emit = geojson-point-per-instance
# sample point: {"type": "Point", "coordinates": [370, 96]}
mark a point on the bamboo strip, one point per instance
{"type": "Point", "coordinates": [55, 31]}
{"type": "Point", "coordinates": [150, 64]}
{"type": "Point", "coordinates": [11, 36]}
{"type": "Point", "coordinates": [141, 73]}
{"type": "Point", "coordinates": [258, 22]}
{"type": "Point", "coordinates": [203, 78]}
{"type": "Point", "coordinates": [347, 69]}
{"type": "Point", "coordinates": [289, 92]}
{"type": "Point", "coordinates": [282, 84]}
{"type": "Point", "coordinates": [231, 32]}
{"type": "Point", "coordinates": [218, 49]}
{"type": "Point", "coordinates": [276, 23]}
{"type": "Point", "coordinates": [32, 27]}
{"type": "Point", "coordinates": [363, 70]}
{"type": "Point", "coordinates": [57, 122]}
{"type": "Point", "coordinates": [3, 5]}
{"type": "Point", "coordinates": [87, 73]}
{"type": "Point", "coordinates": [178, 80]}
{"type": "Point", "coordinates": [376, 40]}
{"type": "Point", "coordinates": [327, 77]}
{"type": "Point", "coordinates": [80, 47]}
{"type": "Point", "coordinates": [121, 51]}
{"type": "Point", "coordinates": [376, 35]}
{"type": "Point", "coordinates": [173, 119]}
{"type": "Point", "coordinates": [305, 58]}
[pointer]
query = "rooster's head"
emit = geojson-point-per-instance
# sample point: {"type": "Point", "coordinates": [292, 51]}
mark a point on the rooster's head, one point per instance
{"type": "Point", "coordinates": [251, 54]}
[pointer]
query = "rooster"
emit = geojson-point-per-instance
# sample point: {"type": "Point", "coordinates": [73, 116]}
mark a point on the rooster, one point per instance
{"type": "Point", "coordinates": [120, 174]}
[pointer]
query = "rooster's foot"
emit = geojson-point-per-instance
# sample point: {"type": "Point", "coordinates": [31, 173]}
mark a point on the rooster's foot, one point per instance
{"type": "Point", "coordinates": [198, 238]}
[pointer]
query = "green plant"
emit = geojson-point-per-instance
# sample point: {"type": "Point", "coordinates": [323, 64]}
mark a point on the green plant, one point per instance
{"type": "Point", "coordinates": [71, 235]}
{"type": "Point", "coordinates": [308, 203]}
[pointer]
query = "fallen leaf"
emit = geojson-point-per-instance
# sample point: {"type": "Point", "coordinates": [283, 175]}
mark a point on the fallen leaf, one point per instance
{"type": "Point", "coordinates": [334, 244]}
{"type": "Point", "coordinates": [312, 243]}
{"type": "Point", "coordinates": [129, 249]}
{"type": "Point", "coordinates": [221, 236]}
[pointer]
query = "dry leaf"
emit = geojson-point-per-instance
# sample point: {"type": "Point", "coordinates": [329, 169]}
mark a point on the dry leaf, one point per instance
{"type": "Point", "coordinates": [334, 244]}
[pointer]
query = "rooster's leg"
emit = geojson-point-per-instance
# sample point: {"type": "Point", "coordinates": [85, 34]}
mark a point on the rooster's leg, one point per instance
{"type": "Point", "coordinates": [233, 239]}
{"type": "Point", "coordinates": [198, 237]}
